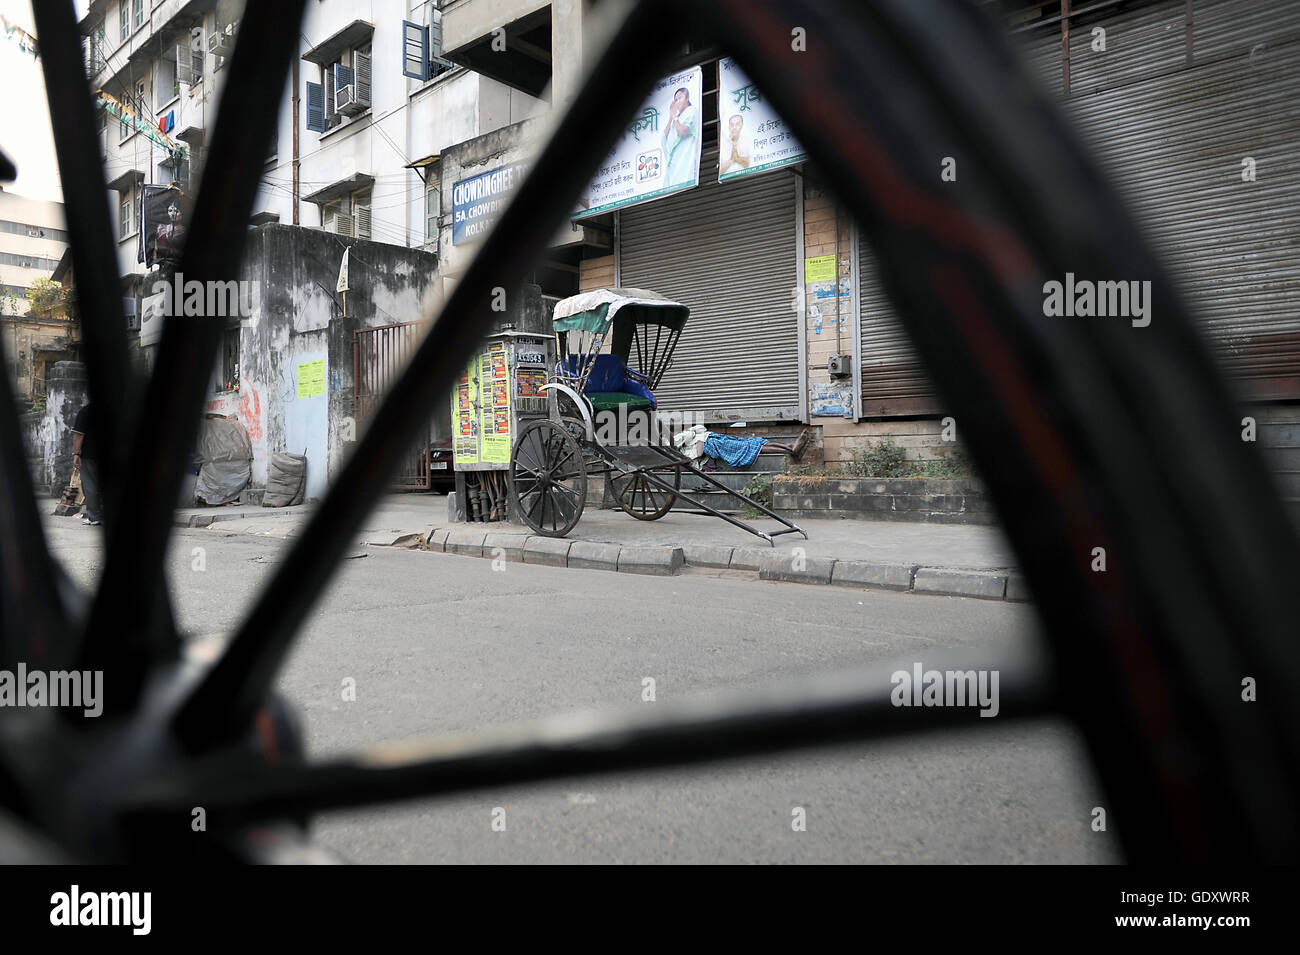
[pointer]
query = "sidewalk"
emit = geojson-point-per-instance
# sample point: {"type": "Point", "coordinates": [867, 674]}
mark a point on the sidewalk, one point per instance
{"type": "Point", "coordinates": [953, 559]}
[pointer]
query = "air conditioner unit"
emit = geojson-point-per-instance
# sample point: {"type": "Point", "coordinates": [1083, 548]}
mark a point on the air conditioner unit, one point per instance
{"type": "Point", "coordinates": [345, 101]}
{"type": "Point", "coordinates": [222, 43]}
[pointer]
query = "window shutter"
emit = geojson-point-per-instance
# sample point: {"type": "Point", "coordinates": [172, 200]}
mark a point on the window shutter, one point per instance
{"type": "Point", "coordinates": [342, 77]}
{"type": "Point", "coordinates": [363, 220]}
{"type": "Point", "coordinates": [184, 72]}
{"type": "Point", "coordinates": [197, 52]}
{"type": "Point", "coordinates": [329, 95]}
{"type": "Point", "coordinates": [415, 50]}
{"type": "Point", "coordinates": [316, 107]}
{"type": "Point", "coordinates": [436, 63]}
{"type": "Point", "coordinates": [362, 92]}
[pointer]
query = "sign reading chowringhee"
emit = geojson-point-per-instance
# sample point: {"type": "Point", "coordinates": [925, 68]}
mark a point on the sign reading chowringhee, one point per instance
{"type": "Point", "coordinates": [477, 202]}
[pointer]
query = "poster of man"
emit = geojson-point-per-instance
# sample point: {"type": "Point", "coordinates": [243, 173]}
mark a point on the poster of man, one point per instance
{"type": "Point", "coordinates": [162, 227]}
{"type": "Point", "coordinates": [752, 138]}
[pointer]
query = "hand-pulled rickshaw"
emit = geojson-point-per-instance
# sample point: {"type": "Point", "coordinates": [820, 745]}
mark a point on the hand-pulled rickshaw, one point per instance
{"type": "Point", "coordinates": [593, 391]}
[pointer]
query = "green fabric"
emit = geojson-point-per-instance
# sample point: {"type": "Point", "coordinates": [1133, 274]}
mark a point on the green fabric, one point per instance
{"type": "Point", "coordinates": [597, 320]}
{"type": "Point", "coordinates": [606, 400]}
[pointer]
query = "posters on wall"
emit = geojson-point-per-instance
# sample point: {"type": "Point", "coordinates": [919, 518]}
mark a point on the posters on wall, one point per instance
{"type": "Point", "coordinates": [752, 139]}
{"type": "Point", "coordinates": [659, 151]}
{"type": "Point", "coordinates": [311, 378]}
{"type": "Point", "coordinates": [481, 410]}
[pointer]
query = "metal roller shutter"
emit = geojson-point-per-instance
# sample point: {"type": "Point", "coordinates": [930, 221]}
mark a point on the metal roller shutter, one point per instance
{"type": "Point", "coordinates": [894, 381]}
{"type": "Point", "coordinates": [1171, 131]}
{"type": "Point", "coordinates": [1171, 108]}
{"type": "Point", "coordinates": [728, 252]}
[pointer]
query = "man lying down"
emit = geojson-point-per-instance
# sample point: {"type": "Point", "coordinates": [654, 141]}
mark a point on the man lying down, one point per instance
{"type": "Point", "coordinates": [733, 449]}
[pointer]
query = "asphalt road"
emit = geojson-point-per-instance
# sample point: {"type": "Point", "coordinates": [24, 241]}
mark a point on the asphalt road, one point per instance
{"type": "Point", "coordinates": [439, 643]}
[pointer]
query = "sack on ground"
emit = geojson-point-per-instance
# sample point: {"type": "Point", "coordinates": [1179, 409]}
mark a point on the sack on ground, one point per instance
{"type": "Point", "coordinates": [286, 480]}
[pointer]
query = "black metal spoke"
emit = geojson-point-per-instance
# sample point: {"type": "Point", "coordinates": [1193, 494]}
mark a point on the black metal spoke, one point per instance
{"type": "Point", "coordinates": [719, 725]}
{"type": "Point", "coordinates": [92, 240]}
{"type": "Point", "coordinates": [35, 623]}
{"type": "Point", "coordinates": [134, 575]}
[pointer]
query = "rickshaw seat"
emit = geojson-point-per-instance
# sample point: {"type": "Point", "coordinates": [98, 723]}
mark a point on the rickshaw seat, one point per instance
{"type": "Point", "coordinates": [609, 384]}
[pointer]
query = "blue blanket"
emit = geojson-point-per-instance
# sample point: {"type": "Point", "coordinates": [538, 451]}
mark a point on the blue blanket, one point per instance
{"type": "Point", "coordinates": [734, 450]}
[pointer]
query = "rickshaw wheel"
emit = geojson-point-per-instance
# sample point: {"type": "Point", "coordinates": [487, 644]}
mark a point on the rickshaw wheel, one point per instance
{"type": "Point", "coordinates": [640, 498]}
{"type": "Point", "coordinates": [548, 478]}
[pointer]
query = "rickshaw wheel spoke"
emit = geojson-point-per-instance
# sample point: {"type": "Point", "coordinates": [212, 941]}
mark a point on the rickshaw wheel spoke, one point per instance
{"type": "Point", "coordinates": [550, 496]}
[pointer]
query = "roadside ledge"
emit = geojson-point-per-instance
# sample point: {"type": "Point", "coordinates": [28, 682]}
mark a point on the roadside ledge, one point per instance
{"type": "Point", "coordinates": [779, 565]}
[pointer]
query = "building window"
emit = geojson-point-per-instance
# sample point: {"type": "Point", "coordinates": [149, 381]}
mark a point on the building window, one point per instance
{"type": "Point", "coordinates": [124, 21]}
{"type": "Point", "coordinates": [422, 48]}
{"type": "Point", "coordinates": [125, 210]}
{"type": "Point", "coordinates": [141, 98]}
{"type": "Point", "coordinates": [337, 217]}
{"type": "Point", "coordinates": [137, 14]}
{"type": "Point", "coordinates": [432, 200]}
{"type": "Point", "coordinates": [229, 360]}
{"type": "Point", "coordinates": [361, 215]}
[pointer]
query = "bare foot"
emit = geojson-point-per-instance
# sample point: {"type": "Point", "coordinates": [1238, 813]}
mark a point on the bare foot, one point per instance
{"type": "Point", "coordinates": [801, 444]}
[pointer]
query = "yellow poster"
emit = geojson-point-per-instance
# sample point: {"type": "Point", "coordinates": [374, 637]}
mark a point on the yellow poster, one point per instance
{"type": "Point", "coordinates": [463, 401]}
{"type": "Point", "coordinates": [311, 378]}
{"type": "Point", "coordinates": [494, 406]}
{"type": "Point", "coordinates": [820, 268]}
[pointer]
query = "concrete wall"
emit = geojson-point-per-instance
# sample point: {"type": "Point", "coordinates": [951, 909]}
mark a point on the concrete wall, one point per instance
{"type": "Point", "coordinates": [51, 439]}
{"type": "Point", "coordinates": [297, 318]}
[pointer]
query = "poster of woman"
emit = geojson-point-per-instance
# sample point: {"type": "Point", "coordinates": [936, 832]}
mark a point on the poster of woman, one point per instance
{"type": "Point", "coordinates": [659, 152]}
{"type": "Point", "coordinates": [682, 141]}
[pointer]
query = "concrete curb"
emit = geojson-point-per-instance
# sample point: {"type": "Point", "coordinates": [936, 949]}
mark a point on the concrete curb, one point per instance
{"type": "Point", "coordinates": [960, 583]}
{"type": "Point", "coordinates": [777, 566]}
{"type": "Point", "coordinates": [660, 561]}
{"type": "Point", "coordinates": [189, 519]}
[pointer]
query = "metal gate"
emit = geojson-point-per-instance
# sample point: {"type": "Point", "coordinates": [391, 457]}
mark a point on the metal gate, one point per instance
{"type": "Point", "coordinates": [378, 357]}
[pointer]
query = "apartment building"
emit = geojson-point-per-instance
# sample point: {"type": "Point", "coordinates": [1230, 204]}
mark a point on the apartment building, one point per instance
{"type": "Point", "coordinates": [32, 241]}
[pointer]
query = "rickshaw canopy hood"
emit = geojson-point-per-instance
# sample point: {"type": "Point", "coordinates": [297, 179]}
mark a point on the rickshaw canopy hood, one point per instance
{"type": "Point", "coordinates": [596, 311]}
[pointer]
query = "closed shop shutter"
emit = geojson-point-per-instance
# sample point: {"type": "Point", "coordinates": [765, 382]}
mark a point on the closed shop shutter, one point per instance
{"type": "Point", "coordinates": [1173, 136]}
{"type": "Point", "coordinates": [894, 380]}
{"type": "Point", "coordinates": [728, 252]}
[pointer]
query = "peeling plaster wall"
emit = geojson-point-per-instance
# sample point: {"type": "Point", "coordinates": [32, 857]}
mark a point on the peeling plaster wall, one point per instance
{"type": "Point", "coordinates": [65, 394]}
{"type": "Point", "coordinates": [297, 317]}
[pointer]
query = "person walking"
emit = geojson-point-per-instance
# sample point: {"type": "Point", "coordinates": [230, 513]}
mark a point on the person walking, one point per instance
{"type": "Point", "coordinates": [85, 456]}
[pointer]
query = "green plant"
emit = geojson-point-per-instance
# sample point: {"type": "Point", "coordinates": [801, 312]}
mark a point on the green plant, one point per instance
{"type": "Point", "coordinates": [883, 459]}
{"type": "Point", "coordinates": [952, 466]}
{"type": "Point", "coordinates": [47, 297]}
{"type": "Point", "coordinates": [758, 488]}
